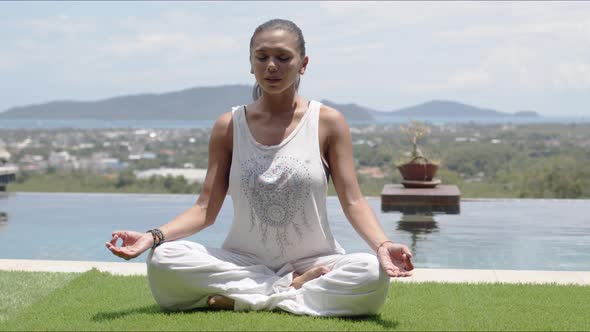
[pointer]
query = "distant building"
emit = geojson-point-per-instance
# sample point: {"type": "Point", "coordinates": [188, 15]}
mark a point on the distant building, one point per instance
{"type": "Point", "coordinates": [83, 146]}
{"type": "Point", "coordinates": [370, 143]}
{"type": "Point", "coordinates": [4, 156]}
{"type": "Point", "coordinates": [373, 172]}
{"type": "Point", "coordinates": [555, 143]}
{"type": "Point", "coordinates": [148, 155]}
{"type": "Point", "coordinates": [102, 162]}
{"type": "Point", "coordinates": [63, 160]}
{"type": "Point", "coordinates": [190, 174]}
{"type": "Point", "coordinates": [33, 163]}
{"type": "Point", "coordinates": [112, 164]}
{"type": "Point", "coordinates": [22, 145]}
{"type": "Point", "coordinates": [479, 177]}
{"type": "Point", "coordinates": [7, 175]}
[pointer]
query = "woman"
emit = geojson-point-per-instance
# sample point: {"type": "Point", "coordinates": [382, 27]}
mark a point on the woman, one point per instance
{"type": "Point", "coordinates": [275, 158]}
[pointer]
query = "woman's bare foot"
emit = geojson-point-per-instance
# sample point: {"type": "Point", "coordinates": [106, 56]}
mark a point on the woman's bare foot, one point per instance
{"type": "Point", "coordinates": [220, 302]}
{"type": "Point", "coordinates": [313, 273]}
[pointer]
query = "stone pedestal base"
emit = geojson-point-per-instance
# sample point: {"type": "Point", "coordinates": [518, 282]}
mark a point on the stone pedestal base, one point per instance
{"type": "Point", "coordinates": [421, 201]}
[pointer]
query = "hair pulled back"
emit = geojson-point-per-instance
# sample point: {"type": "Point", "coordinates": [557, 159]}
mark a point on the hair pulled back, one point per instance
{"type": "Point", "coordinates": [278, 24]}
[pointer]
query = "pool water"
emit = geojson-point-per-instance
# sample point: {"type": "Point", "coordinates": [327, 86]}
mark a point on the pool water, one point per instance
{"type": "Point", "coordinates": [488, 234]}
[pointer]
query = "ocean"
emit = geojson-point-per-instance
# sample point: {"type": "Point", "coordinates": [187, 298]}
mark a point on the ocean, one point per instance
{"type": "Point", "coordinates": [186, 124]}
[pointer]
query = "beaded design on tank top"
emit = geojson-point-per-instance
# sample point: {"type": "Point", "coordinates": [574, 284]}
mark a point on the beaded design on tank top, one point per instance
{"type": "Point", "coordinates": [277, 190]}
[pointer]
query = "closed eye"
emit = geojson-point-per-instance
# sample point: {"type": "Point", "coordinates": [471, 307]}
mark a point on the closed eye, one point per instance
{"type": "Point", "coordinates": [281, 59]}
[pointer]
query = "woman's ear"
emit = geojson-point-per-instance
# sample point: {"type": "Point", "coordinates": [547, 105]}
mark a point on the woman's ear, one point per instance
{"type": "Point", "coordinates": [304, 65]}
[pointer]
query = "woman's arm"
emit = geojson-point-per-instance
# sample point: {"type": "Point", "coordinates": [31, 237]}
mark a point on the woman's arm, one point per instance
{"type": "Point", "coordinates": [355, 206]}
{"type": "Point", "coordinates": [203, 213]}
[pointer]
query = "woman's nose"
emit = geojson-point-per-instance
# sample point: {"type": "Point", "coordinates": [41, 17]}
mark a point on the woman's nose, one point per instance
{"type": "Point", "coordinates": [271, 67]}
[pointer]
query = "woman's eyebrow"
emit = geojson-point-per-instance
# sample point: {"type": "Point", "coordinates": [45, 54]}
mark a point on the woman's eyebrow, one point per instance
{"type": "Point", "coordinates": [278, 49]}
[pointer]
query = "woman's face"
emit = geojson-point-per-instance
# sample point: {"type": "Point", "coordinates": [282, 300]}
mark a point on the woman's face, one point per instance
{"type": "Point", "coordinates": [276, 61]}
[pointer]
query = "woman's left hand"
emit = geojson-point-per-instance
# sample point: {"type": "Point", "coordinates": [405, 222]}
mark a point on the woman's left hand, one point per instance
{"type": "Point", "coordinates": [395, 259]}
{"type": "Point", "coordinates": [134, 244]}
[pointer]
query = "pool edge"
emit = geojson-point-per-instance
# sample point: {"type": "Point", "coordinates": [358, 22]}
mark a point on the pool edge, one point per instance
{"type": "Point", "coordinates": [419, 274]}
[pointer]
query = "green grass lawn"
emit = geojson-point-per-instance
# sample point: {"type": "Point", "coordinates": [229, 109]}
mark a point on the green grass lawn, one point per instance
{"type": "Point", "coordinates": [100, 301]}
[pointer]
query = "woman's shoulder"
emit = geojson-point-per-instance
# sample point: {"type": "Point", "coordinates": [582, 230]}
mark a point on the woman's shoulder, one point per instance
{"type": "Point", "coordinates": [331, 118]}
{"type": "Point", "coordinates": [224, 120]}
{"type": "Point", "coordinates": [223, 127]}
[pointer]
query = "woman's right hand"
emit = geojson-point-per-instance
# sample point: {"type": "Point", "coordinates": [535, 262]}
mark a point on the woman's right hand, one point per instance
{"type": "Point", "coordinates": [134, 244]}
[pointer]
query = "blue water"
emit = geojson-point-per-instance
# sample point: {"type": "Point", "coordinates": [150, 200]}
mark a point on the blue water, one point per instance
{"type": "Point", "coordinates": [185, 124]}
{"type": "Point", "coordinates": [492, 234]}
{"type": "Point", "coordinates": [101, 124]}
{"type": "Point", "coordinates": [483, 120]}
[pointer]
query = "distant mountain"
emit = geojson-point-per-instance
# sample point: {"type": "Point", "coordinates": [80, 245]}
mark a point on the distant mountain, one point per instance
{"type": "Point", "coordinates": [352, 111]}
{"type": "Point", "coordinates": [447, 108]}
{"type": "Point", "coordinates": [526, 113]}
{"type": "Point", "coordinates": [208, 103]}
{"type": "Point", "coordinates": [204, 103]}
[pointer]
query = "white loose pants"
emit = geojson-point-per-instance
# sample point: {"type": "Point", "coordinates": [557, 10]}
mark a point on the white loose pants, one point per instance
{"type": "Point", "coordinates": [183, 274]}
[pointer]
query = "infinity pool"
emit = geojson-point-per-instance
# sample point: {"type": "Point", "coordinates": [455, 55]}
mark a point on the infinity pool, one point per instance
{"type": "Point", "coordinates": [488, 234]}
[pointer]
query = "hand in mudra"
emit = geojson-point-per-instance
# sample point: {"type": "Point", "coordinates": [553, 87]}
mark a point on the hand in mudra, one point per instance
{"type": "Point", "coordinates": [134, 243]}
{"type": "Point", "coordinates": [395, 259]}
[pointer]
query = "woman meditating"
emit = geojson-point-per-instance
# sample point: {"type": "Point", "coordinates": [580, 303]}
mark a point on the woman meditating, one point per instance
{"type": "Point", "coordinates": [275, 157]}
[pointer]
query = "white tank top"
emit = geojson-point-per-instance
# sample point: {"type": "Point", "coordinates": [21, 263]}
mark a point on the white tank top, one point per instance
{"type": "Point", "coordinates": [279, 194]}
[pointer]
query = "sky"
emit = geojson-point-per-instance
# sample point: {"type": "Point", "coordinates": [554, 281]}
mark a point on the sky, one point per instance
{"type": "Point", "coordinates": [507, 56]}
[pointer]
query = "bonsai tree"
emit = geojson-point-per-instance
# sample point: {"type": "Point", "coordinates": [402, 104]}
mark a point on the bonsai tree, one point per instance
{"type": "Point", "coordinates": [419, 168]}
{"type": "Point", "coordinates": [415, 131]}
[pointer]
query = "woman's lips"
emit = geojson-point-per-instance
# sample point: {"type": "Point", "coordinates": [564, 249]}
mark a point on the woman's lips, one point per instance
{"type": "Point", "coordinates": [272, 80]}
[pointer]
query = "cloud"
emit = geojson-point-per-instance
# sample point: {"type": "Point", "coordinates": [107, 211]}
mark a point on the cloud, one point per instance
{"type": "Point", "coordinates": [27, 45]}
{"type": "Point", "coordinates": [459, 81]}
{"type": "Point", "coordinates": [469, 79]}
{"type": "Point", "coordinates": [6, 62]}
{"type": "Point", "coordinates": [360, 48]}
{"type": "Point", "coordinates": [57, 26]}
{"type": "Point", "coordinates": [573, 75]}
{"type": "Point", "coordinates": [560, 27]}
{"type": "Point", "coordinates": [169, 47]}
{"type": "Point", "coordinates": [147, 43]}
{"type": "Point", "coordinates": [174, 36]}
{"type": "Point", "coordinates": [383, 13]}
{"type": "Point", "coordinates": [516, 66]}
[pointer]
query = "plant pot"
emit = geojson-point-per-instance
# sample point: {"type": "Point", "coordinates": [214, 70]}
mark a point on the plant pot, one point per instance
{"type": "Point", "coordinates": [417, 171]}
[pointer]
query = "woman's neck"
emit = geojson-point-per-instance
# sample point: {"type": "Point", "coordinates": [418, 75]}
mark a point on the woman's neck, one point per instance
{"type": "Point", "coordinates": [285, 102]}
